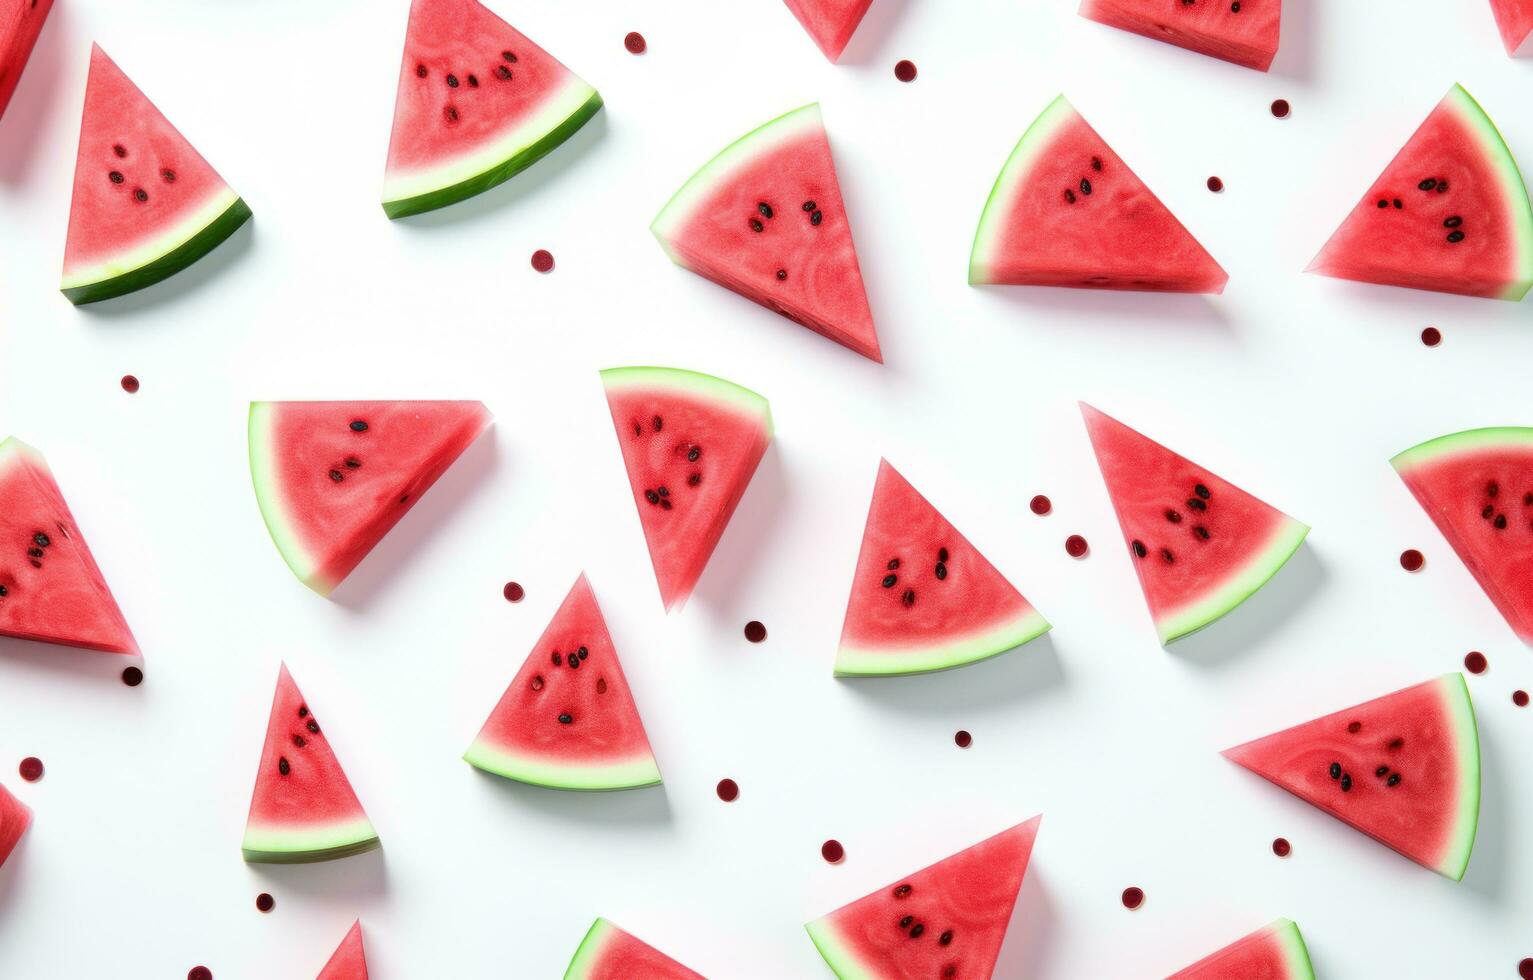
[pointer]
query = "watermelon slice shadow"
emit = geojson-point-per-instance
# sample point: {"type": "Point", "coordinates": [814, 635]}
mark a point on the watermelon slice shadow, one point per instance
{"type": "Point", "coordinates": [1033, 932]}
{"type": "Point", "coordinates": [359, 879]}
{"type": "Point", "coordinates": [1494, 854]}
{"type": "Point", "coordinates": [40, 94]}
{"type": "Point", "coordinates": [1004, 680]}
{"type": "Point", "coordinates": [1072, 310]}
{"type": "Point", "coordinates": [748, 538]}
{"type": "Point", "coordinates": [19, 656]}
{"type": "Point", "coordinates": [1256, 622]}
{"type": "Point", "coordinates": [224, 253]}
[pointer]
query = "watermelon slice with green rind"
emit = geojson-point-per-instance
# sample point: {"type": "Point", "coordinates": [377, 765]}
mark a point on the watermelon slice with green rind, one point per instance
{"type": "Point", "coordinates": [349, 962]}
{"type": "Point", "coordinates": [303, 808]}
{"type": "Point", "coordinates": [1245, 33]}
{"type": "Point", "coordinates": [1514, 19]}
{"type": "Point", "coordinates": [146, 204]}
{"type": "Point", "coordinates": [924, 598]}
{"type": "Point", "coordinates": [477, 104]}
{"type": "Point", "coordinates": [1273, 952]}
{"type": "Point", "coordinates": [15, 818]}
{"type": "Point", "coordinates": [1450, 213]}
{"type": "Point", "coordinates": [20, 23]}
{"type": "Point", "coordinates": [1200, 545]}
{"type": "Point", "coordinates": [1477, 486]}
{"type": "Point", "coordinates": [609, 953]}
{"type": "Point", "coordinates": [1403, 768]}
{"type": "Point", "coordinates": [952, 914]}
{"type": "Point", "coordinates": [568, 719]}
{"type": "Point", "coordinates": [1067, 211]}
{"type": "Point", "coordinates": [830, 22]}
{"type": "Point", "coordinates": [691, 443]}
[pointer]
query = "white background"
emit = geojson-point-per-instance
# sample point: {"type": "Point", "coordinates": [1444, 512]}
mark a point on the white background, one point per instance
{"type": "Point", "coordinates": [1296, 387]}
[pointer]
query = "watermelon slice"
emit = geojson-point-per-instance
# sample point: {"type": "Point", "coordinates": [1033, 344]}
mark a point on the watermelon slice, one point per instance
{"type": "Point", "coordinates": [1514, 18]}
{"type": "Point", "coordinates": [15, 818]}
{"type": "Point", "coordinates": [923, 597]}
{"type": "Point", "coordinates": [1245, 32]}
{"type": "Point", "coordinates": [568, 720]}
{"type": "Point", "coordinates": [609, 953]}
{"type": "Point", "coordinates": [146, 204]}
{"type": "Point", "coordinates": [1477, 486]}
{"type": "Point", "coordinates": [765, 219]}
{"type": "Point", "coordinates": [50, 587]}
{"type": "Point", "coordinates": [946, 920]}
{"type": "Point", "coordinates": [1066, 211]}
{"type": "Point", "coordinates": [1404, 769]}
{"type": "Point", "coordinates": [830, 22]}
{"type": "Point", "coordinates": [332, 478]}
{"type": "Point", "coordinates": [349, 961]}
{"type": "Point", "coordinates": [1275, 952]}
{"type": "Point", "coordinates": [691, 443]}
{"type": "Point", "coordinates": [478, 103]}
{"type": "Point", "coordinates": [1200, 545]}
{"type": "Point", "coordinates": [20, 23]}
{"type": "Point", "coordinates": [1449, 213]}
{"type": "Point", "coordinates": [303, 808]}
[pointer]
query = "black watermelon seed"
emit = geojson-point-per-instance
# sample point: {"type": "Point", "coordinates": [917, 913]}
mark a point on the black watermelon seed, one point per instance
{"type": "Point", "coordinates": [941, 571]}
{"type": "Point", "coordinates": [1398, 205]}
{"type": "Point", "coordinates": [420, 71]}
{"type": "Point", "coordinates": [1096, 164]}
{"type": "Point", "coordinates": [41, 540]}
{"type": "Point", "coordinates": [1201, 491]}
{"type": "Point", "coordinates": [1235, 7]}
{"type": "Point", "coordinates": [906, 921]}
{"type": "Point", "coordinates": [816, 218]}
{"type": "Point", "coordinates": [300, 741]}
{"type": "Point", "coordinates": [452, 80]}
{"type": "Point", "coordinates": [1500, 522]}
{"type": "Point", "coordinates": [313, 727]}
{"type": "Point", "coordinates": [35, 552]}
{"type": "Point", "coordinates": [473, 82]}
{"type": "Point", "coordinates": [765, 209]}
{"type": "Point", "coordinates": [558, 659]}
{"type": "Point", "coordinates": [942, 554]}
{"type": "Point", "coordinates": [694, 479]}
{"type": "Point", "coordinates": [451, 113]}
{"type": "Point", "coordinates": [1069, 196]}
{"type": "Point", "coordinates": [889, 581]}
{"type": "Point", "coordinates": [693, 453]}
{"type": "Point", "coordinates": [810, 206]}
{"type": "Point", "coordinates": [893, 564]}
{"type": "Point", "coordinates": [1427, 184]}
{"type": "Point", "coordinates": [945, 938]}
{"type": "Point", "coordinates": [1381, 770]}
{"type": "Point", "coordinates": [4, 592]}
{"type": "Point", "coordinates": [503, 73]}
{"type": "Point", "coordinates": [909, 598]}
{"type": "Point", "coordinates": [1196, 503]}
{"type": "Point", "coordinates": [1488, 512]}
{"type": "Point", "coordinates": [1393, 780]}
{"type": "Point", "coordinates": [116, 176]}
{"type": "Point", "coordinates": [140, 195]}
{"type": "Point", "coordinates": [1492, 489]}
{"type": "Point", "coordinates": [901, 891]}
{"type": "Point", "coordinates": [1335, 770]}
{"type": "Point", "coordinates": [782, 274]}
{"type": "Point", "coordinates": [508, 56]}
{"type": "Point", "coordinates": [657, 422]}
{"type": "Point", "coordinates": [358, 425]}
{"type": "Point", "coordinates": [662, 491]}
{"type": "Point", "coordinates": [303, 711]}
{"type": "Point", "coordinates": [1200, 531]}
{"type": "Point", "coordinates": [1085, 186]}
{"type": "Point", "coordinates": [1139, 549]}
{"type": "Point", "coordinates": [1173, 516]}
{"type": "Point", "coordinates": [756, 225]}
{"type": "Point", "coordinates": [337, 475]}
{"type": "Point", "coordinates": [1455, 236]}
{"type": "Point", "coordinates": [1166, 554]}
{"type": "Point", "coordinates": [168, 175]}
{"type": "Point", "coordinates": [1452, 221]}
{"type": "Point", "coordinates": [119, 149]}
{"type": "Point", "coordinates": [1395, 744]}
{"type": "Point", "coordinates": [574, 663]}
{"type": "Point", "coordinates": [665, 505]}
{"type": "Point", "coordinates": [1354, 727]}
{"type": "Point", "coordinates": [916, 930]}
{"type": "Point", "coordinates": [1383, 203]}
{"type": "Point", "coordinates": [282, 765]}
{"type": "Point", "coordinates": [1527, 499]}
{"type": "Point", "coordinates": [565, 719]}
{"type": "Point", "coordinates": [652, 496]}
{"type": "Point", "coordinates": [1346, 782]}
{"type": "Point", "coordinates": [352, 462]}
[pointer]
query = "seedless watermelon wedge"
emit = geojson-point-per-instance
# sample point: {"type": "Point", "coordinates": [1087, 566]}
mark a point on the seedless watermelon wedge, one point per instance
{"type": "Point", "coordinates": [609, 953]}
{"type": "Point", "coordinates": [1477, 486]}
{"type": "Point", "coordinates": [923, 598]}
{"type": "Point", "coordinates": [303, 808]}
{"type": "Point", "coordinates": [1404, 769]}
{"type": "Point", "coordinates": [1450, 213]}
{"type": "Point", "coordinates": [691, 443]}
{"type": "Point", "coordinates": [350, 960]}
{"type": "Point", "coordinates": [1067, 211]}
{"type": "Point", "coordinates": [1200, 545]}
{"type": "Point", "coordinates": [568, 720]}
{"type": "Point", "coordinates": [20, 23]}
{"type": "Point", "coordinates": [1245, 33]}
{"type": "Point", "coordinates": [50, 587]}
{"type": "Point", "coordinates": [765, 219]}
{"type": "Point", "coordinates": [15, 818]}
{"type": "Point", "coordinates": [146, 204]}
{"type": "Point", "coordinates": [1274, 952]}
{"type": "Point", "coordinates": [830, 22]}
{"type": "Point", "coordinates": [1514, 19]}
{"type": "Point", "coordinates": [952, 914]}
{"type": "Point", "coordinates": [332, 478]}
{"type": "Point", "coordinates": [478, 103]}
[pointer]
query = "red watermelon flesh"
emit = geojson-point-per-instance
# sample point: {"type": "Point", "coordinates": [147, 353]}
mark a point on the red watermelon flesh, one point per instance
{"type": "Point", "coordinates": [830, 22]}
{"type": "Point", "coordinates": [15, 818]}
{"type": "Point", "coordinates": [946, 920]}
{"type": "Point", "coordinates": [20, 23]}
{"type": "Point", "coordinates": [1404, 769]}
{"type": "Point", "coordinates": [691, 443]}
{"type": "Point", "coordinates": [1200, 545]}
{"type": "Point", "coordinates": [1245, 32]}
{"type": "Point", "coordinates": [1450, 213]}
{"type": "Point", "coordinates": [349, 961]}
{"type": "Point", "coordinates": [1514, 19]}
{"type": "Point", "coordinates": [1067, 211]}
{"type": "Point", "coordinates": [303, 808]}
{"type": "Point", "coordinates": [923, 598]}
{"type": "Point", "coordinates": [1274, 952]}
{"type": "Point", "coordinates": [50, 587]}
{"type": "Point", "coordinates": [332, 478]}
{"type": "Point", "coordinates": [568, 720]}
{"type": "Point", "coordinates": [1477, 486]}
{"type": "Point", "coordinates": [765, 219]}
{"type": "Point", "coordinates": [609, 953]}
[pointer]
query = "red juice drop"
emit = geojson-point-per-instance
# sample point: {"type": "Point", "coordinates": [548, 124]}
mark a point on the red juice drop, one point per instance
{"type": "Point", "coordinates": [130, 384]}
{"type": "Point", "coordinates": [905, 71]}
{"type": "Point", "coordinates": [728, 790]}
{"type": "Point", "coordinates": [514, 592]}
{"type": "Point", "coordinates": [1281, 847]}
{"type": "Point", "coordinates": [635, 43]}
{"type": "Point", "coordinates": [543, 260]}
{"type": "Point", "coordinates": [1075, 546]}
{"type": "Point", "coordinates": [264, 902]}
{"type": "Point", "coordinates": [1215, 184]}
{"type": "Point", "coordinates": [1133, 897]}
{"type": "Point", "coordinates": [132, 676]}
{"type": "Point", "coordinates": [963, 739]}
{"type": "Point", "coordinates": [199, 973]}
{"type": "Point", "coordinates": [755, 631]}
{"type": "Point", "coordinates": [1525, 969]}
{"type": "Point", "coordinates": [1475, 662]}
{"type": "Point", "coordinates": [1431, 336]}
{"type": "Point", "coordinates": [1280, 108]}
{"type": "Point", "coordinates": [1411, 560]}
{"type": "Point", "coordinates": [1520, 698]}
{"type": "Point", "coordinates": [1040, 505]}
{"type": "Point", "coordinates": [31, 769]}
{"type": "Point", "coordinates": [832, 851]}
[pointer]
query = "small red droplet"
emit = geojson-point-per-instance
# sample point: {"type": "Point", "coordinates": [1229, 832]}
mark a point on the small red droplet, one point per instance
{"type": "Point", "coordinates": [132, 676]}
{"type": "Point", "coordinates": [1075, 546]}
{"type": "Point", "coordinates": [1520, 698]}
{"type": "Point", "coordinates": [905, 70]}
{"type": "Point", "coordinates": [1040, 505]}
{"type": "Point", "coordinates": [1525, 969]}
{"type": "Point", "coordinates": [1475, 662]}
{"type": "Point", "coordinates": [1411, 559]}
{"type": "Point", "coordinates": [832, 851]}
{"type": "Point", "coordinates": [1281, 847]}
{"type": "Point", "coordinates": [1215, 184]}
{"type": "Point", "coordinates": [963, 739]}
{"type": "Point", "coordinates": [1431, 336]}
{"type": "Point", "coordinates": [264, 902]}
{"type": "Point", "coordinates": [1133, 897]}
{"type": "Point", "coordinates": [31, 769]}
{"type": "Point", "coordinates": [634, 42]}
{"type": "Point", "coordinates": [130, 384]}
{"type": "Point", "coordinates": [1280, 108]}
{"type": "Point", "coordinates": [543, 260]}
{"type": "Point", "coordinates": [755, 631]}
{"type": "Point", "coordinates": [728, 790]}
{"type": "Point", "coordinates": [514, 592]}
{"type": "Point", "coordinates": [199, 973]}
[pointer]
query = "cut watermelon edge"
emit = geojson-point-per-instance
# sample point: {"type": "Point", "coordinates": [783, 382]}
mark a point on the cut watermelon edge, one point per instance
{"type": "Point", "coordinates": [1236, 588]}
{"type": "Point", "coordinates": [841, 960]}
{"type": "Point", "coordinates": [1033, 142]}
{"type": "Point", "coordinates": [1295, 951]}
{"type": "Point", "coordinates": [591, 948]}
{"type": "Point", "coordinates": [274, 511]}
{"type": "Point", "coordinates": [278, 844]}
{"type": "Point", "coordinates": [552, 773]}
{"type": "Point", "coordinates": [855, 661]}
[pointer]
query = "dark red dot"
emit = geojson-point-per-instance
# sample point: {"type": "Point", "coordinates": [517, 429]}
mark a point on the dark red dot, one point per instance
{"type": "Point", "coordinates": [31, 769]}
{"type": "Point", "coordinates": [755, 631]}
{"type": "Point", "coordinates": [514, 592]}
{"type": "Point", "coordinates": [1281, 847]}
{"type": "Point", "coordinates": [634, 42]}
{"type": "Point", "coordinates": [1215, 184]}
{"type": "Point", "coordinates": [264, 902]}
{"type": "Point", "coordinates": [1520, 698]}
{"type": "Point", "coordinates": [1475, 662]}
{"type": "Point", "coordinates": [963, 739]}
{"type": "Point", "coordinates": [728, 790]}
{"type": "Point", "coordinates": [543, 260]}
{"type": "Point", "coordinates": [1075, 546]}
{"type": "Point", "coordinates": [199, 973]}
{"type": "Point", "coordinates": [1133, 897]}
{"type": "Point", "coordinates": [1431, 336]}
{"type": "Point", "coordinates": [130, 384]}
{"type": "Point", "coordinates": [132, 676]}
{"type": "Point", "coordinates": [905, 71]}
{"type": "Point", "coordinates": [1411, 560]}
{"type": "Point", "coordinates": [1525, 969]}
{"type": "Point", "coordinates": [832, 851]}
{"type": "Point", "coordinates": [1280, 108]}
{"type": "Point", "coordinates": [1040, 505]}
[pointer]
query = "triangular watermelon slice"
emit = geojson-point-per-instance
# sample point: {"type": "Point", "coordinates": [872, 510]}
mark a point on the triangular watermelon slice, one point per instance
{"type": "Point", "coordinates": [15, 818]}
{"type": "Point", "coordinates": [1514, 19]}
{"type": "Point", "coordinates": [20, 23]}
{"type": "Point", "coordinates": [830, 22]}
{"type": "Point", "coordinates": [691, 443]}
{"type": "Point", "coordinates": [1477, 486]}
{"type": "Point", "coordinates": [924, 598]}
{"type": "Point", "coordinates": [568, 719]}
{"type": "Point", "coordinates": [1450, 213]}
{"type": "Point", "coordinates": [1404, 769]}
{"type": "Point", "coordinates": [609, 953]}
{"type": "Point", "coordinates": [765, 219]}
{"type": "Point", "coordinates": [349, 961]}
{"type": "Point", "coordinates": [1273, 952]}
{"type": "Point", "coordinates": [1200, 545]}
{"type": "Point", "coordinates": [332, 478]}
{"type": "Point", "coordinates": [946, 920]}
{"type": "Point", "coordinates": [478, 103]}
{"type": "Point", "coordinates": [146, 204]}
{"type": "Point", "coordinates": [1245, 33]}
{"type": "Point", "coordinates": [50, 587]}
{"type": "Point", "coordinates": [303, 808]}
{"type": "Point", "coordinates": [1067, 211]}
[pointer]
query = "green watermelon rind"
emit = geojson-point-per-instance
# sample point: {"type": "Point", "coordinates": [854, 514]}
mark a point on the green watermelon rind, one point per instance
{"type": "Point", "coordinates": [854, 661]}
{"type": "Point", "coordinates": [1466, 740]}
{"type": "Point", "coordinates": [842, 961]}
{"type": "Point", "coordinates": [264, 474]}
{"type": "Point", "coordinates": [304, 845]}
{"type": "Point", "coordinates": [998, 205]}
{"type": "Point", "coordinates": [168, 254]}
{"type": "Point", "coordinates": [693, 384]}
{"type": "Point", "coordinates": [1295, 951]}
{"type": "Point", "coordinates": [1493, 144]}
{"type": "Point", "coordinates": [590, 951]}
{"type": "Point", "coordinates": [1237, 587]}
{"type": "Point", "coordinates": [1470, 440]}
{"type": "Point", "coordinates": [561, 115]}
{"type": "Point", "coordinates": [632, 773]}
